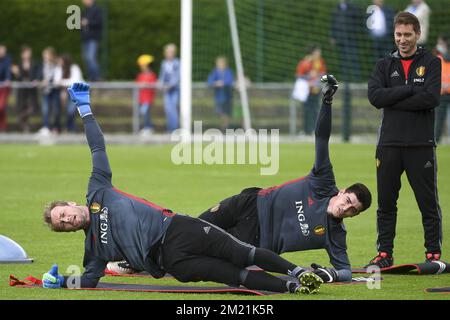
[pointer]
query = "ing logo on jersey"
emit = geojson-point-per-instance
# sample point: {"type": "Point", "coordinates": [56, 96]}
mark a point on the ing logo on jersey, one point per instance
{"type": "Point", "coordinates": [95, 207]}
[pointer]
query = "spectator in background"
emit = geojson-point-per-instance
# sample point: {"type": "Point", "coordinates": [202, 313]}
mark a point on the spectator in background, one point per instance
{"type": "Point", "coordinates": [51, 99]}
{"type": "Point", "coordinates": [448, 122]}
{"type": "Point", "coordinates": [346, 26]}
{"type": "Point", "coordinates": [5, 78]}
{"type": "Point", "coordinates": [91, 33]}
{"type": "Point", "coordinates": [381, 28]}
{"type": "Point", "coordinates": [147, 95]}
{"type": "Point", "coordinates": [68, 73]}
{"type": "Point", "coordinates": [442, 51]}
{"type": "Point", "coordinates": [169, 78]}
{"type": "Point", "coordinates": [27, 98]}
{"type": "Point", "coordinates": [222, 79]}
{"type": "Point", "coordinates": [311, 68]}
{"type": "Point", "coordinates": [422, 11]}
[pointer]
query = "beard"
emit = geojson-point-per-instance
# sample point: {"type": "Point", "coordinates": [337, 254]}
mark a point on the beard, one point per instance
{"type": "Point", "coordinates": [83, 220]}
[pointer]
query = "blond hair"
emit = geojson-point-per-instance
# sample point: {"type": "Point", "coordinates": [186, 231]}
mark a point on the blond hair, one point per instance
{"type": "Point", "coordinates": [47, 214]}
{"type": "Point", "coordinates": [169, 46]}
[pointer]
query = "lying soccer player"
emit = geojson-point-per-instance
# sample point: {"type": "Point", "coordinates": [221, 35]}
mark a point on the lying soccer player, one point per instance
{"type": "Point", "coordinates": [119, 226]}
{"type": "Point", "coordinates": [302, 214]}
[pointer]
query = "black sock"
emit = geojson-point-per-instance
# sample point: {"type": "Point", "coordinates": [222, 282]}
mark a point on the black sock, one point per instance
{"type": "Point", "coordinates": [259, 280]}
{"type": "Point", "coordinates": [270, 261]}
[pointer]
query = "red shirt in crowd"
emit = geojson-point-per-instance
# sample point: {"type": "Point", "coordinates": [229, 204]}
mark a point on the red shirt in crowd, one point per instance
{"type": "Point", "coordinates": [146, 95]}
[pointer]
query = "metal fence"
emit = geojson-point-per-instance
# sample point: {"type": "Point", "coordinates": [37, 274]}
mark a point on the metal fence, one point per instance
{"type": "Point", "coordinates": [271, 106]}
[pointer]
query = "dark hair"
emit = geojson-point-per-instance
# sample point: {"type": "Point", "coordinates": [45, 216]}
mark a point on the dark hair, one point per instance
{"type": "Point", "coordinates": [312, 48]}
{"type": "Point", "coordinates": [47, 213]}
{"type": "Point", "coordinates": [66, 64]}
{"type": "Point", "coordinates": [25, 48]}
{"type": "Point", "coordinates": [444, 37]}
{"type": "Point", "coordinates": [362, 193]}
{"type": "Point", "coordinates": [407, 18]}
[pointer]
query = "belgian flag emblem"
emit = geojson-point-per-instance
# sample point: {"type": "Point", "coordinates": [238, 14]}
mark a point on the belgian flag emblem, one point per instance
{"type": "Point", "coordinates": [420, 71]}
{"type": "Point", "coordinates": [95, 207]}
{"type": "Point", "coordinates": [319, 230]}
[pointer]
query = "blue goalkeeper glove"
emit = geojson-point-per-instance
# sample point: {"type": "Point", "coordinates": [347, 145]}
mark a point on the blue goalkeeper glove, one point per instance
{"type": "Point", "coordinates": [79, 94]}
{"type": "Point", "coordinates": [51, 279]}
{"type": "Point", "coordinates": [326, 274]}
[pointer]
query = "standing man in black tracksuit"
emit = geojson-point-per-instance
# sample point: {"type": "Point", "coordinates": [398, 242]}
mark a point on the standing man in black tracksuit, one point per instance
{"type": "Point", "coordinates": [406, 86]}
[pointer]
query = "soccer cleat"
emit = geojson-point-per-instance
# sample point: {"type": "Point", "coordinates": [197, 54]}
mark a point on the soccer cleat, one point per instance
{"type": "Point", "coordinates": [304, 290]}
{"type": "Point", "coordinates": [382, 260]}
{"type": "Point", "coordinates": [430, 256]}
{"type": "Point", "coordinates": [310, 283]}
{"type": "Point", "coordinates": [120, 267]}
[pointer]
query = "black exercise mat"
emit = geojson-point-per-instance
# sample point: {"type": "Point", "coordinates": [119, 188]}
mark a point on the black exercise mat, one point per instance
{"type": "Point", "coordinates": [32, 282]}
{"type": "Point", "coordinates": [178, 289]}
{"type": "Point", "coordinates": [435, 267]}
{"type": "Point", "coordinates": [145, 274]}
{"type": "Point", "coordinates": [439, 290]}
{"type": "Point", "coordinates": [356, 280]}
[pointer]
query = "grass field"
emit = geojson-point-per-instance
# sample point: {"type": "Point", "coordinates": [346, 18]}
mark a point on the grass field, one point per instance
{"type": "Point", "coordinates": [31, 176]}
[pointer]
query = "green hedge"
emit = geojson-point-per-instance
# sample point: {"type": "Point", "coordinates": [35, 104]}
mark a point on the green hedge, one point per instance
{"type": "Point", "coordinates": [144, 26]}
{"type": "Point", "coordinates": [133, 27]}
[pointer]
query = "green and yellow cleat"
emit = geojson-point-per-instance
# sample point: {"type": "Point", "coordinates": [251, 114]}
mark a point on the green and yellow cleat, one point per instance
{"type": "Point", "coordinates": [310, 283]}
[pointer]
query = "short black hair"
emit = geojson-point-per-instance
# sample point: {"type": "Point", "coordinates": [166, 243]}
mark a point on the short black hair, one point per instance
{"type": "Point", "coordinates": [362, 193]}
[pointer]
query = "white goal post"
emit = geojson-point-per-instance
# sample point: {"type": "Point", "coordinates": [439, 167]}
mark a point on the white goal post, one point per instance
{"type": "Point", "coordinates": [186, 67]}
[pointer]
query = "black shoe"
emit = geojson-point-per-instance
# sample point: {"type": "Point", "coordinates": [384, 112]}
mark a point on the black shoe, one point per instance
{"type": "Point", "coordinates": [430, 256]}
{"type": "Point", "coordinates": [382, 260]}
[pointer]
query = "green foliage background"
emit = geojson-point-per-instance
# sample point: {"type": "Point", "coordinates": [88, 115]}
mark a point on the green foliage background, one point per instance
{"type": "Point", "coordinates": [144, 26]}
{"type": "Point", "coordinates": [133, 27]}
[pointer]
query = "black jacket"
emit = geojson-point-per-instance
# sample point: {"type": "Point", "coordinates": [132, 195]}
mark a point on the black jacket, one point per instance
{"type": "Point", "coordinates": [93, 31]}
{"type": "Point", "coordinates": [28, 75]}
{"type": "Point", "coordinates": [5, 68]}
{"type": "Point", "coordinates": [408, 106]}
